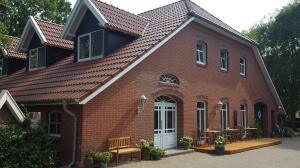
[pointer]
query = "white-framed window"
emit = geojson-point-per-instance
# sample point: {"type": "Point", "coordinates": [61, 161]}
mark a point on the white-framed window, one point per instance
{"type": "Point", "coordinates": [201, 52]}
{"type": "Point", "coordinates": [54, 123]}
{"type": "Point", "coordinates": [201, 116]}
{"type": "Point", "coordinates": [224, 60]}
{"type": "Point", "coordinates": [37, 58]}
{"type": "Point", "coordinates": [243, 110]}
{"type": "Point", "coordinates": [90, 45]}
{"type": "Point", "coordinates": [224, 116]}
{"type": "Point", "coordinates": [242, 66]}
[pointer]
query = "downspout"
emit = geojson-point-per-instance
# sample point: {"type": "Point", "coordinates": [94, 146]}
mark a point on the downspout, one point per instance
{"type": "Point", "coordinates": [65, 107]}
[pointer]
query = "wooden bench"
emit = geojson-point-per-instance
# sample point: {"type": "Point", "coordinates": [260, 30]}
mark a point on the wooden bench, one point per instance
{"type": "Point", "coordinates": [122, 146]}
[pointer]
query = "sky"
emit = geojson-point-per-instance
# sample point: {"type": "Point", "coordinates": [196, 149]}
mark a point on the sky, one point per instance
{"type": "Point", "coordinates": [239, 14]}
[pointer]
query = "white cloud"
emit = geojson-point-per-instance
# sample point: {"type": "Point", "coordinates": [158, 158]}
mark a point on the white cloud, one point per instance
{"type": "Point", "coordinates": [239, 14]}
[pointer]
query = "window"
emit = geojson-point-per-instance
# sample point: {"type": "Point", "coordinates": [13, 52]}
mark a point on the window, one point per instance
{"type": "Point", "coordinates": [54, 123]}
{"type": "Point", "coordinates": [37, 58]}
{"type": "Point", "coordinates": [91, 45]}
{"type": "Point", "coordinates": [224, 60]}
{"type": "Point", "coordinates": [169, 78]}
{"type": "Point", "coordinates": [224, 116]}
{"type": "Point", "coordinates": [201, 52]}
{"type": "Point", "coordinates": [242, 66]}
{"type": "Point", "coordinates": [1, 67]}
{"type": "Point", "coordinates": [201, 116]}
{"type": "Point", "coordinates": [243, 110]}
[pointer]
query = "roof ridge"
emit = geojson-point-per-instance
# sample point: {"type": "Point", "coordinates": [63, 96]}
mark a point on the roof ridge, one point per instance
{"type": "Point", "coordinates": [160, 7]}
{"type": "Point", "coordinates": [46, 21]}
{"type": "Point", "coordinates": [210, 15]}
{"type": "Point", "coordinates": [118, 8]}
{"type": "Point", "coordinates": [187, 5]}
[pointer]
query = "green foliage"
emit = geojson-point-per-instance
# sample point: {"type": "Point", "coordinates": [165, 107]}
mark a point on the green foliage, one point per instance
{"type": "Point", "coordinates": [89, 154]}
{"type": "Point", "coordinates": [103, 157]}
{"type": "Point", "coordinates": [279, 39]}
{"type": "Point", "coordinates": [220, 142]}
{"type": "Point", "coordinates": [15, 13]}
{"type": "Point", "coordinates": [25, 147]}
{"type": "Point", "coordinates": [186, 142]}
{"type": "Point", "coordinates": [157, 152]}
{"type": "Point", "coordinates": [144, 144]}
{"type": "Point", "coordinates": [259, 132]}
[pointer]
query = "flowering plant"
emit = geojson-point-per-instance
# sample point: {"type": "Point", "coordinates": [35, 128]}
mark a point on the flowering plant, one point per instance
{"type": "Point", "coordinates": [220, 142]}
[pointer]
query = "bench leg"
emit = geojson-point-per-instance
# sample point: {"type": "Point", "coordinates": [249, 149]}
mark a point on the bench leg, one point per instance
{"type": "Point", "coordinates": [131, 156]}
{"type": "Point", "coordinates": [117, 159]}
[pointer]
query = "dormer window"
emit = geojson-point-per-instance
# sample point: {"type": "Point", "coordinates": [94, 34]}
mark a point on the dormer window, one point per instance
{"type": "Point", "coordinates": [91, 45]}
{"type": "Point", "coordinates": [37, 58]}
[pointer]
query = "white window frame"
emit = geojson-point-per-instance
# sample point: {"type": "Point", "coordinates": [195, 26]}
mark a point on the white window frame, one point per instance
{"type": "Point", "coordinates": [1, 67]}
{"type": "Point", "coordinates": [243, 66]}
{"type": "Point", "coordinates": [199, 111]}
{"type": "Point", "coordinates": [29, 55]}
{"type": "Point", "coordinates": [90, 47]}
{"type": "Point", "coordinates": [204, 52]}
{"type": "Point", "coordinates": [49, 124]}
{"type": "Point", "coordinates": [225, 59]}
{"type": "Point", "coordinates": [222, 115]}
{"type": "Point", "coordinates": [244, 115]}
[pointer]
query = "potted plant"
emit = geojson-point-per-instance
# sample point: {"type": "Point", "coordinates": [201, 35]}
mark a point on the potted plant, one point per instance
{"type": "Point", "coordinates": [101, 159]}
{"type": "Point", "coordinates": [156, 153]}
{"type": "Point", "coordinates": [219, 145]}
{"type": "Point", "coordinates": [145, 149]}
{"type": "Point", "coordinates": [89, 158]}
{"type": "Point", "coordinates": [186, 142]}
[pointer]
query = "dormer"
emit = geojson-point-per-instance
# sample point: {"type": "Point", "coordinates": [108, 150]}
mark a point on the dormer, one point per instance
{"type": "Point", "coordinates": [10, 60]}
{"type": "Point", "coordinates": [99, 29]}
{"type": "Point", "coordinates": [41, 43]}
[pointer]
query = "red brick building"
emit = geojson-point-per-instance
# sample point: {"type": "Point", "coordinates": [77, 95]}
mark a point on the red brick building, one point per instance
{"type": "Point", "coordinates": [159, 75]}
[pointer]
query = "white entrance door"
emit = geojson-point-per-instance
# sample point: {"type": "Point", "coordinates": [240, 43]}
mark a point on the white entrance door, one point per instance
{"type": "Point", "coordinates": [165, 125]}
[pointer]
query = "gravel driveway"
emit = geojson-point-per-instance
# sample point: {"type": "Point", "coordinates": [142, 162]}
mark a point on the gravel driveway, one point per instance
{"type": "Point", "coordinates": [286, 155]}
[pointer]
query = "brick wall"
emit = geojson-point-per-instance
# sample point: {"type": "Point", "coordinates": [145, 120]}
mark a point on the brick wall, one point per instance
{"type": "Point", "coordinates": [113, 113]}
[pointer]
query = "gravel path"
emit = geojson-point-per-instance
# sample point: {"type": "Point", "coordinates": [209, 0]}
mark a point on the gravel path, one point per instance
{"type": "Point", "coordinates": [286, 155]}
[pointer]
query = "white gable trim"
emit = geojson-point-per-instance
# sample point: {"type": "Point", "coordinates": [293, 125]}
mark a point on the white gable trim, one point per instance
{"type": "Point", "coordinates": [6, 98]}
{"type": "Point", "coordinates": [134, 64]}
{"type": "Point", "coordinates": [77, 15]}
{"type": "Point", "coordinates": [27, 34]}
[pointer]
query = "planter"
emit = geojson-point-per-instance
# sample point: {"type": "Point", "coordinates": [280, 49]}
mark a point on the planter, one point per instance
{"type": "Point", "coordinates": [155, 157]}
{"type": "Point", "coordinates": [89, 163]}
{"type": "Point", "coordinates": [219, 150]}
{"type": "Point", "coordinates": [187, 147]}
{"type": "Point", "coordinates": [145, 154]}
{"type": "Point", "coordinates": [101, 165]}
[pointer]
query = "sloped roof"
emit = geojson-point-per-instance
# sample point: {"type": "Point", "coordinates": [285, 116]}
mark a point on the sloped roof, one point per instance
{"type": "Point", "coordinates": [49, 34]}
{"type": "Point", "coordinates": [68, 81]}
{"type": "Point", "coordinates": [11, 49]}
{"type": "Point", "coordinates": [52, 32]}
{"type": "Point", "coordinates": [80, 82]}
{"type": "Point", "coordinates": [6, 98]}
{"type": "Point", "coordinates": [121, 20]}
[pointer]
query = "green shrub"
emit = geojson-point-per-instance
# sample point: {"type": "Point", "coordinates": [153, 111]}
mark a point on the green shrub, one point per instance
{"type": "Point", "coordinates": [25, 147]}
{"type": "Point", "coordinates": [157, 152]}
{"type": "Point", "coordinates": [144, 144]}
{"type": "Point", "coordinates": [186, 142]}
{"type": "Point", "coordinates": [103, 157]}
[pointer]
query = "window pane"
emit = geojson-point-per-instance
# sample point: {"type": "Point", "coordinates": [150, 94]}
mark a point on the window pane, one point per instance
{"type": "Point", "coordinates": [84, 47]}
{"type": "Point", "coordinates": [97, 43]}
{"type": "Point", "coordinates": [53, 117]}
{"type": "Point", "coordinates": [33, 59]}
{"type": "Point", "coordinates": [200, 105]}
{"type": "Point", "coordinates": [156, 120]}
{"type": "Point", "coordinates": [52, 129]}
{"type": "Point", "coordinates": [42, 57]}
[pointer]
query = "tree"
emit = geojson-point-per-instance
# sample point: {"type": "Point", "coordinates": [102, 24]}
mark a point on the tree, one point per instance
{"type": "Point", "coordinates": [279, 40]}
{"type": "Point", "coordinates": [16, 13]}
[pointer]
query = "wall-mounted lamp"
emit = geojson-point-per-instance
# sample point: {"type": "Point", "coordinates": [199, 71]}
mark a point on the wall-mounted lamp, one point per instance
{"type": "Point", "coordinates": [142, 102]}
{"type": "Point", "coordinates": [219, 105]}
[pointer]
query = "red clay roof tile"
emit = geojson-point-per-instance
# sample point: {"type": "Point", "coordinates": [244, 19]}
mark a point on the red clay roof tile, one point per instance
{"type": "Point", "coordinates": [12, 48]}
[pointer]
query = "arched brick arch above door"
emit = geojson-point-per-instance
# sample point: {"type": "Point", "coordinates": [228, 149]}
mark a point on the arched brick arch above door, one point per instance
{"type": "Point", "coordinates": [168, 92]}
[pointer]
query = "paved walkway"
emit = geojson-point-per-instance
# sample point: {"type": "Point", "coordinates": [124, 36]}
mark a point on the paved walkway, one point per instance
{"type": "Point", "coordinates": [286, 155]}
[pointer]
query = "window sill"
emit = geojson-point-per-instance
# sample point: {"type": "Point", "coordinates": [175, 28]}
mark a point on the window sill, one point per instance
{"type": "Point", "coordinates": [55, 135]}
{"type": "Point", "coordinates": [201, 65]}
{"type": "Point", "coordinates": [224, 70]}
{"type": "Point", "coordinates": [36, 69]}
{"type": "Point", "coordinates": [89, 59]}
{"type": "Point", "coordinates": [243, 75]}
{"type": "Point", "coordinates": [168, 85]}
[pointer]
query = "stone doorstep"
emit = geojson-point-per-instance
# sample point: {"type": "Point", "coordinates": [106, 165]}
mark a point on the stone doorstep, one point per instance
{"type": "Point", "coordinates": [174, 152]}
